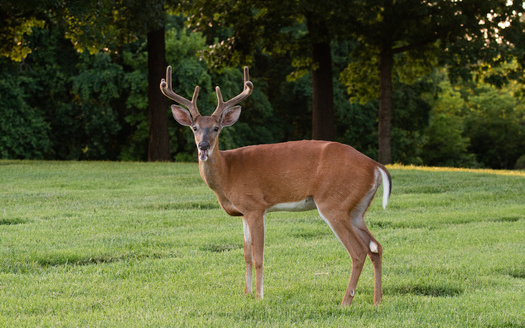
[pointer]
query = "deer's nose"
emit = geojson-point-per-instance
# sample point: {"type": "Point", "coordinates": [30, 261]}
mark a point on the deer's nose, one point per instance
{"type": "Point", "coordinates": [204, 145]}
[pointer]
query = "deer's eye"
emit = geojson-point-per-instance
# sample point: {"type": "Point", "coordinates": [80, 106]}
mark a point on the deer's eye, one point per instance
{"type": "Point", "coordinates": [216, 129]}
{"type": "Point", "coordinates": [194, 128]}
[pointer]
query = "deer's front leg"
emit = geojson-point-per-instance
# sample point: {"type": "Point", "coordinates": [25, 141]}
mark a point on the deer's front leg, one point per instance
{"type": "Point", "coordinates": [248, 258]}
{"type": "Point", "coordinates": [256, 235]}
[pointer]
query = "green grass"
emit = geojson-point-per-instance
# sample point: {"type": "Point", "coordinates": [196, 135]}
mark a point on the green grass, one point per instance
{"type": "Point", "coordinates": [146, 245]}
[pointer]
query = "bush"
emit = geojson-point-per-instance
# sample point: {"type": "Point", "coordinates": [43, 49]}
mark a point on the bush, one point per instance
{"type": "Point", "coordinates": [495, 127]}
{"type": "Point", "coordinates": [520, 163]}
{"type": "Point", "coordinates": [444, 140]}
{"type": "Point", "coordinates": [24, 132]}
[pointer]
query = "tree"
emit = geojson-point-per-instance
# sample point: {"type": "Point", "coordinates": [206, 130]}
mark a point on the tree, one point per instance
{"type": "Point", "coordinates": [465, 32]}
{"type": "Point", "coordinates": [323, 121]}
{"type": "Point", "coordinates": [133, 19]}
{"type": "Point", "coordinates": [290, 28]}
{"type": "Point", "coordinates": [102, 25]}
{"type": "Point", "coordinates": [18, 18]}
{"type": "Point", "coordinates": [158, 141]}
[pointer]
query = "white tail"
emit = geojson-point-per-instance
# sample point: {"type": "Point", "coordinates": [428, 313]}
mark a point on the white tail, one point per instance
{"type": "Point", "coordinates": [387, 185]}
{"type": "Point", "coordinates": [333, 178]}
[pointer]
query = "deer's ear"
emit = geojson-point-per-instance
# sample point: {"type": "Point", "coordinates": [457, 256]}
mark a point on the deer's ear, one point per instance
{"type": "Point", "coordinates": [231, 116]}
{"type": "Point", "coordinates": [181, 115]}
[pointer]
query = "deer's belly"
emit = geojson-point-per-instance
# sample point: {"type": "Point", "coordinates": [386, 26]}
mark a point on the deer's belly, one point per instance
{"type": "Point", "coordinates": [306, 204]}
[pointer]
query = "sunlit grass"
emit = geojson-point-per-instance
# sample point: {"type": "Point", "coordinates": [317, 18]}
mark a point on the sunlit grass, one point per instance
{"type": "Point", "coordinates": [456, 169]}
{"type": "Point", "coordinates": [146, 245]}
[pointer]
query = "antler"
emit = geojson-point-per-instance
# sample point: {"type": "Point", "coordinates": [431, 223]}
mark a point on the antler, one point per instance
{"type": "Point", "coordinates": [222, 106]}
{"type": "Point", "coordinates": [165, 87]}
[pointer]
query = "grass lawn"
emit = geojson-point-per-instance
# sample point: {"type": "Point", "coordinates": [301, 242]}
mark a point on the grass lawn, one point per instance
{"type": "Point", "coordinates": [104, 244]}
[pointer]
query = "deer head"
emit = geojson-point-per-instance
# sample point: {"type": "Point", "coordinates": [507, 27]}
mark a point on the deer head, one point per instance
{"type": "Point", "coordinates": [205, 129]}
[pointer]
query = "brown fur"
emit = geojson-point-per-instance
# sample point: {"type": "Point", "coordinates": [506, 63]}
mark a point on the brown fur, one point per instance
{"type": "Point", "coordinates": [251, 180]}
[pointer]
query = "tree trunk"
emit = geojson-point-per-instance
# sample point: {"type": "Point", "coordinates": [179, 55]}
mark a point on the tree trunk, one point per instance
{"type": "Point", "coordinates": [158, 143]}
{"type": "Point", "coordinates": [323, 121]}
{"type": "Point", "coordinates": [385, 106]}
{"type": "Point", "coordinates": [386, 62]}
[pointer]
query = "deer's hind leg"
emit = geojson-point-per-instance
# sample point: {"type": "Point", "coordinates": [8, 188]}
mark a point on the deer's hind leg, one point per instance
{"type": "Point", "coordinates": [345, 232]}
{"type": "Point", "coordinates": [375, 251]}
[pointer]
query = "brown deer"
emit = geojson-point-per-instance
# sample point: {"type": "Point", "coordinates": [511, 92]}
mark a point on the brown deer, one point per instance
{"type": "Point", "coordinates": [331, 177]}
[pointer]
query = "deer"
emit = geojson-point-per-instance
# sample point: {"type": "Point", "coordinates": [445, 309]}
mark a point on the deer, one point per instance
{"type": "Point", "coordinates": [334, 178]}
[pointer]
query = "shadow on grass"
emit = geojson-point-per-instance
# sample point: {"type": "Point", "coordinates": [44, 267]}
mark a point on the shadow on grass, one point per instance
{"type": "Point", "coordinates": [311, 234]}
{"type": "Point", "coordinates": [378, 224]}
{"type": "Point", "coordinates": [77, 260]}
{"type": "Point", "coordinates": [183, 206]}
{"type": "Point", "coordinates": [13, 221]}
{"type": "Point", "coordinates": [518, 273]}
{"type": "Point", "coordinates": [220, 248]}
{"type": "Point", "coordinates": [425, 290]}
{"type": "Point", "coordinates": [507, 219]}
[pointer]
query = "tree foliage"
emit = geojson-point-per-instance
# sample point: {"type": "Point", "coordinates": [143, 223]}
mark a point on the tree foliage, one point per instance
{"type": "Point", "coordinates": [74, 78]}
{"type": "Point", "coordinates": [475, 124]}
{"type": "Point", "coordinates": [460, 34]}
{"type": "Point", "coordinates": [24, 132]}
{"type": "Point", "coordinates": [301, 29]}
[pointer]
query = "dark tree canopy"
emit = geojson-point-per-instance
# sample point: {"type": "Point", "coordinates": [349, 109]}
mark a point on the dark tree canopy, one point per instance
{"type": "Point", "coordinates": [80, 78]}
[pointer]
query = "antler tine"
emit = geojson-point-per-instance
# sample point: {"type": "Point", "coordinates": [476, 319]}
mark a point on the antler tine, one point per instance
{"type": "Point", "coordinates": [248, 88]}
{"type": "Point", "coordinates": [219, 95]}
{"type": "Point", "coordinates": [193, 109]}
{"type": "Point", "coordinates": [246, 74]}
{"type": "Point", "coordinates": [167, 90]}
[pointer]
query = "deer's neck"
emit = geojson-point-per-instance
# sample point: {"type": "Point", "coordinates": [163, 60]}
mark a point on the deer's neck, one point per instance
{"type": "Point", "coordinates": [213, 171]}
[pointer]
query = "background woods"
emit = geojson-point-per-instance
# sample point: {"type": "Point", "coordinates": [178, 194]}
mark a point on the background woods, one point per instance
{"type": "Point", "coordinates": [416, 82]}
